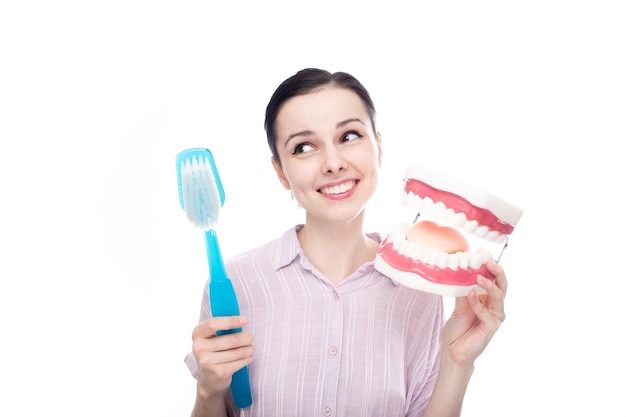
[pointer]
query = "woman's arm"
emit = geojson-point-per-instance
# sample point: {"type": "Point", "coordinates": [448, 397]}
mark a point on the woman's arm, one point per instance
{"type": "Point", "coordinates": [466, 334]}
{"type": "Point", "coordinates": [209, 407]}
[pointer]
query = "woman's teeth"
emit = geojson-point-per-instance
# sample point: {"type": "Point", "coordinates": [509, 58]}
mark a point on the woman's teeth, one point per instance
{"type": "Point", "coordinates": [338, 189]}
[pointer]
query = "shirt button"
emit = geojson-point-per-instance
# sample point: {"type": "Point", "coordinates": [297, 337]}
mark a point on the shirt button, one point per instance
{"type": "Point", "coordinates": [327, 411]}
{"type": "Point", "coordinates": [335, 295]}
{"type": "Point", "coordinates": [332, 350]}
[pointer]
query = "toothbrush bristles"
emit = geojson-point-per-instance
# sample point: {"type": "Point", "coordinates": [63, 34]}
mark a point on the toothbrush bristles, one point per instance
{"type": "Point", "coordinates": [200, 194]}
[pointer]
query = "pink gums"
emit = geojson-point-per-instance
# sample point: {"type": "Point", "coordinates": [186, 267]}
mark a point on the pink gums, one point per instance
{"type": "Point", "coordinates": [432, 273]}
{"type": "Point", "coordinates": [457, 203]}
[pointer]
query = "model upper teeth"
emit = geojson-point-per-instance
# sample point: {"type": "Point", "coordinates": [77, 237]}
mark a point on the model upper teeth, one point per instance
{"type": "Point", "coordinates": [426, 206]}
{"type": "Point", "coordinates": [453, 261]}
{"type": "Point", "coordinates": [338, 189]}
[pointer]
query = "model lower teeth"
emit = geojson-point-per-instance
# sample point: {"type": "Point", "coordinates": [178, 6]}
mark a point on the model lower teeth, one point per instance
{"type": "Point", "coordinates": [404, 244]}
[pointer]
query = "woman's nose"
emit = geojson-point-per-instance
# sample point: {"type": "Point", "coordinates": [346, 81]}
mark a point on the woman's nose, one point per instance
{"type": "Point", "coordinates": [333, 160]}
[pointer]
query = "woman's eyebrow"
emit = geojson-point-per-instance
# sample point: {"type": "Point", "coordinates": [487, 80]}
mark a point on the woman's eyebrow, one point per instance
{"type": "Point", "coordinates": [302, 133]}
{"type": "Point", "coordinates": [348, 121]}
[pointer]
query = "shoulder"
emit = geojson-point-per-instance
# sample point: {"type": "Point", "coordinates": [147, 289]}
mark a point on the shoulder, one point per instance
{"type": "Point", "coordinates": [271, 255]}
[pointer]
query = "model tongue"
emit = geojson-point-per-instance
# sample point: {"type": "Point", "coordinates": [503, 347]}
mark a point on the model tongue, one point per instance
{"type": "Point", "coordinates": [432, 235]}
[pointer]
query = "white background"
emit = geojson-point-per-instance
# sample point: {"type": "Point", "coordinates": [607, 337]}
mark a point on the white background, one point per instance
{"type": "Point", "coordinates": [101, 273]}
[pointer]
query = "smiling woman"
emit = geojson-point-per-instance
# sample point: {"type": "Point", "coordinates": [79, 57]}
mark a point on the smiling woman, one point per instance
{"type": "Point", "coordinates": [311, 299]}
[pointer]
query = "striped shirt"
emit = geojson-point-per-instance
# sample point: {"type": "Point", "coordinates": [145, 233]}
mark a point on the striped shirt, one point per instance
{"type": "Point", "coordinates": [366, 347]}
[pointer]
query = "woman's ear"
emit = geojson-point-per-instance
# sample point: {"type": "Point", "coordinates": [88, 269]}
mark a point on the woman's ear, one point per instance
{"type": "Point", "coordinates": [280, 174]}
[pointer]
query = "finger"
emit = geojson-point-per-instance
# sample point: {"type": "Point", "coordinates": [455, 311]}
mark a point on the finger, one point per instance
{"type": "Point", "coordinates": [211, 352]}
{"type": "Point", "coordinates": [489, 322]}
{"type": "Point", "coordinates": [220, 367]}
{"type": "Point", "coordinates": [231, 341]}
{"type": "Point", "coordinates": [210, 327]}
{"type": "Point", "coordinates": [495, 306]}
{"type": "Point", "coordinates": [224, 349]}
{"type": "Point", "coordinates": [500, 276]}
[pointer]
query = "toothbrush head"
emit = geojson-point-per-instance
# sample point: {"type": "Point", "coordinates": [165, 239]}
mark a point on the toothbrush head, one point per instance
{"type": "Point", "coordinates": [200, 190]}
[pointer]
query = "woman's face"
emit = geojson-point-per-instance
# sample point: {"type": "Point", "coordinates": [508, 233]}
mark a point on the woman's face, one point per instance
{"type": "Point", "coordinates": [329, 153]}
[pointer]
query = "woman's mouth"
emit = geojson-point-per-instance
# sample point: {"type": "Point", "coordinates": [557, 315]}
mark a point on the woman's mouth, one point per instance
{"type": "Point", "coordinates": [338, 189]}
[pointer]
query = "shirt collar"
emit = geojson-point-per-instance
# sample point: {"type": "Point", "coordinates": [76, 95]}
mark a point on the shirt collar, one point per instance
{"type": "Point", "coordinates": [289, 249]}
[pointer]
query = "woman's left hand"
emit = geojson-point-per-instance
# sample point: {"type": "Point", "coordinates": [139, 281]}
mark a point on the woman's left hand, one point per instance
{"type": "Point", "coordinates": [476, 318]}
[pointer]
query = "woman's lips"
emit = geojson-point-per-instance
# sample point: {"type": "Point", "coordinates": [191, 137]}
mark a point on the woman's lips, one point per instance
{"type": "Point", "coordinates": [339, 190]}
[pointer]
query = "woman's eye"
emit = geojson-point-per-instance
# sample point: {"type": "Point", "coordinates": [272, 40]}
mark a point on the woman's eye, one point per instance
{"type": "Point", "coordinates": [350, 136]}
{"type": "Point", "coordinates": [302, 148]}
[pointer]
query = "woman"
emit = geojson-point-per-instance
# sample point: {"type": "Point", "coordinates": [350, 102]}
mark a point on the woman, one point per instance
{"type": "Point", "coordinates": [324, 332]}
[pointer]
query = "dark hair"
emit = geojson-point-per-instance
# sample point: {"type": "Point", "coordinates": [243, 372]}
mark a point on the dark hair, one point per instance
{"type": "Point", "coordinates": [306, 81]}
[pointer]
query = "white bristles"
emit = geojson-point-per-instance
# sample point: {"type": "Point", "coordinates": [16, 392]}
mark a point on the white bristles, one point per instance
{"type": "Point", "coordinates": [200, 194]}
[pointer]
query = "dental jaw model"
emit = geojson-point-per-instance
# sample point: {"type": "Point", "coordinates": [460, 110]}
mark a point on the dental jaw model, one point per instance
{"type": "Point", "coordinates": [435, 253]}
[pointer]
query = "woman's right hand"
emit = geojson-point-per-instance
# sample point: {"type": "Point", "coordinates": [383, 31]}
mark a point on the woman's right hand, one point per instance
{"type": "Point", "coordinates": [219, 357]}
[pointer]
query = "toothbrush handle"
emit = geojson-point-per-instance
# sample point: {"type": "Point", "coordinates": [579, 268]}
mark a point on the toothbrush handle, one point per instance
{"type": "Point", "coordinates": [224, 303]}
{"type": "Point", "coordinates": [240, 388]}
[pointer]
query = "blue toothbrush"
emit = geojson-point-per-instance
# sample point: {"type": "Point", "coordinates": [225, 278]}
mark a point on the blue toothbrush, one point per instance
{"type": "Point", "coordinates": [201, 195]}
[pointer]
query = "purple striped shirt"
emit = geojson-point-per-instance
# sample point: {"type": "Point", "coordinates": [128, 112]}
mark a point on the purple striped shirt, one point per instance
{"type": "Point", "coordinates": [367, 347]}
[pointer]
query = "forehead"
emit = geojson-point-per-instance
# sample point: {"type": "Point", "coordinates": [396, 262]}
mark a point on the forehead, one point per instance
{"type": "Point", "coordinates": [319, 109]}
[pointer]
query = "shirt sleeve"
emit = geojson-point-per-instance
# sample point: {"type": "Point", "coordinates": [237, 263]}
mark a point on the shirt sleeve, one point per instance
{"type": "Point", "coordinates": [205, 313]}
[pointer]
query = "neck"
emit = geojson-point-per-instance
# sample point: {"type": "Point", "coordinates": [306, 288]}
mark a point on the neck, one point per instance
{"type": "Point", "coordinates": [336, 249]}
